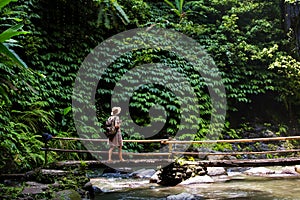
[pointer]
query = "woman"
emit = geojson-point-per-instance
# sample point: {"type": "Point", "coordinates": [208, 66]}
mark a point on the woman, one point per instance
{"type": "Point", "coordinates": [117, 140]}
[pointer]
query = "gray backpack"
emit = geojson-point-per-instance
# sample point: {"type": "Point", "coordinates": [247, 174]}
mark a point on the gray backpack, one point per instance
{"type": "Point", "coordinates": [110, 127]}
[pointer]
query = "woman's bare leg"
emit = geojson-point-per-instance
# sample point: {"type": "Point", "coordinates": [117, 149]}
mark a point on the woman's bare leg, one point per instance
{"type": "Point", "coordinates": [120, 153]}
{"type": "Point", "coordinates": [110, 153]}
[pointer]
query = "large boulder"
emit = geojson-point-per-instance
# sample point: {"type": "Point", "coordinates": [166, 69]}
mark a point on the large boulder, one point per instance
{"type": "Point", "coordinates": [143, 173]}
{"type": "Point", "coordinates": [297, 168]}
{"type": "Point", "coordinates": [177, 172]}
{"type": "Point", "coordinates": [216, 171]}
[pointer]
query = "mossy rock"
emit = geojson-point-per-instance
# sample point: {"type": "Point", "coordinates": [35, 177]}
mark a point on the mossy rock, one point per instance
{"type": "Point", "coordinates": [67, 195]}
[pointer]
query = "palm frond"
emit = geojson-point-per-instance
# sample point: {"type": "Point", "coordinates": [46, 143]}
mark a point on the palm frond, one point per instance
{"type": "Point", "coordinates": [5, 2]}
{"type": "Point", "coordinates": [181, 6]}
{"type": "Point", "coordinates": [11, 32]}
{"type": "Point", "coordinates": [10, 54]}
{"type": "Point", "coordinates": [121, 12]}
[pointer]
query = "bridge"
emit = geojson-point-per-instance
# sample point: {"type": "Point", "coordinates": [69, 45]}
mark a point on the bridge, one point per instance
{"type": "Point", "coordinates": [164, 158]}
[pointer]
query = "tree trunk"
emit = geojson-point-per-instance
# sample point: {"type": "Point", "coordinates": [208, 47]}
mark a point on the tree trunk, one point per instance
{"type": "Point", "coordinates": [292, 23]}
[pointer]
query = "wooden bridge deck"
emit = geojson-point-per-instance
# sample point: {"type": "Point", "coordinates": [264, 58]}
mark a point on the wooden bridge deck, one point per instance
{"type": "Point", "coordinates": [150, 163]}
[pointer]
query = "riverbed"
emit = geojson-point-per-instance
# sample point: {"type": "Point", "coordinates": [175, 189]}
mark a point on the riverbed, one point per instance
{"type": "Point", "coordinates": [239, 188]}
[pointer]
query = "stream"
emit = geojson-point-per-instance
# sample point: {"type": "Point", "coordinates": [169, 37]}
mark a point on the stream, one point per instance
{"type": "Point", "coordinates": [256, 188]}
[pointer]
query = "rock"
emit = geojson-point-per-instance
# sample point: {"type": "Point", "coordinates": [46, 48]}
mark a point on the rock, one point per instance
{"type": "Point", "coordinates": [144, 173]}
{"type": "Point", "coordinates": [47, 176]}
{"type": "Point", "coordinates": [67, 195]}
{"type": "Point", "coordinates": [154, 178]}
{"type": "Point", "coordinates": [215, 157]}
{"type": "Point", "coordinates": [54, 172]}
{"type": "Point", "coordinates": [124, 169]}
{"type": "Point", "coordinates": [237, 169]}
{"type": "Point", "coordinates": [91, 190]}
{"type": "Point", "coordinates": [216, 171]}
{"type": "Point", "coordinates": [56, 185]}
{"type": "Point", "coordinates": [189, 172]}
{"type": "Point", "coordinates": [34, 188]}
{"type": "Point", "coordinates": [197, 180]}
{"type": "Point", "coordinates": [183, 196]}
{"type": "Point", "coordinates": [97, 190]}
{"type": "Point", "coordinates": [222, 178]}
{"type": "Point", "coordinates": [289, 170]}
{"type": "Point", "coordinates": [176, 172]}
{"type": "Point", "coordinates": [87, 186]}
{"type": "Point", "coordinates": [259, 171]}
{"type": "Point", "coordinates": [297, 168]}
{"type": "Point", "coordinates": [268, 133]}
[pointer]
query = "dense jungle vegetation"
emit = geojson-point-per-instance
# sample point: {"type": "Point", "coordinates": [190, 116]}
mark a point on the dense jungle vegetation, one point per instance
{"type": "Point", "coordinates": [254, 44]}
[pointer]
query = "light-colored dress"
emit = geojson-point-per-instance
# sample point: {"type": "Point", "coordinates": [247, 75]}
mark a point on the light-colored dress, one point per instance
{"type": "Point", "coordinates": [117, 140]}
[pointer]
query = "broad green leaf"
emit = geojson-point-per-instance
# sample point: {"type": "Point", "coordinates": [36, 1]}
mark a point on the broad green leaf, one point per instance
{"type": "Point", "coordinates": [170, 4]}
{"type": "Point", "coordinates": [5, 2]}
{"type": "Point", "coordinates": [11, 32]}
{"type": "Point", "coordinates": [67, 110]}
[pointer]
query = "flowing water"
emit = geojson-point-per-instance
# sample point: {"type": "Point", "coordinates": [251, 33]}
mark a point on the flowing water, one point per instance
{"type": "Point", "coordinates": [255, 189]}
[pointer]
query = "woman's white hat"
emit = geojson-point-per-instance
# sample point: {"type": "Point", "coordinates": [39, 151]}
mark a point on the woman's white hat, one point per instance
{"type": "Point", "coordinates": [115, 111]}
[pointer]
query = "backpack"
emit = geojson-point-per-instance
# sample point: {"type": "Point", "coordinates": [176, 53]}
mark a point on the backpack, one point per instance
{"type": "Point", "coordinates": [110, 129]}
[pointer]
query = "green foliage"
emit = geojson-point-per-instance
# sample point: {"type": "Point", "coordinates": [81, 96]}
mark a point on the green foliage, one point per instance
{"type": "Point", "coordinates": [245, 39]}
{"type": "Point", "coordinates": [59, 59]}
{"type": "Point", "coordinates": [291, 1]}
{"type": "Point", "coordinates": [177, 8]}
{"type": "Point", "coordinates": [8, 56]}
{"type": "Point", "coordinates": [12, 192]}
{"type": "Point", "coordinates": [223, 147]}
{"type": "Point", "coordinates": [23, 114]}
{"type": "Point", "coordinates": [230, 132]}
{"type": "Point", "coordinates": [236, 33]}
{"type": "Point", "coordinates": [3, 3]}
{"type": "Point", "coordinates": [134, 146]}
{"type": "Point", "coordinates": [185, 9]}
{"type": "Point", "coordinates": [150, 95]}
{"type": "Point", "coordinates": [282, 130]}
{"type": "Point", "coordinates": [21, 143]}
{"type": "Point", "coordinates": [288, 70]}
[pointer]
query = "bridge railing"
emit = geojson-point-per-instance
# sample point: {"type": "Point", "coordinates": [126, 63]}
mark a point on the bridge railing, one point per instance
{"type": "Point", "coordinates": [171, 152]}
